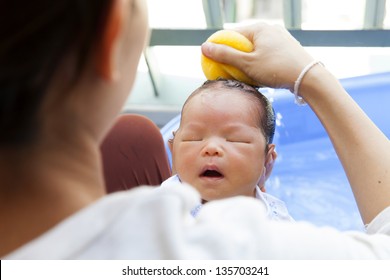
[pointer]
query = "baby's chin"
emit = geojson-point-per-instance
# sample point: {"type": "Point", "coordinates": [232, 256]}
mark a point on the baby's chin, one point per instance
{"type": "Point", "coordinates": [212, 191]}
{"type": "Point", "coordinates": [211, 197]}
{"type": "Point", "coordinates": [207, 196]}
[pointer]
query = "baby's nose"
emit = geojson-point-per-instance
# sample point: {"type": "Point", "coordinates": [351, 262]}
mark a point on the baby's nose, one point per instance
{"type": "Point", "coordinates": [213, 148]}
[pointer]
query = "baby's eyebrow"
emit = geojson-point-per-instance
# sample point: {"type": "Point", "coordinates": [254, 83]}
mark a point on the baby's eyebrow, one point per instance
{"type": "Point", "coordinates": [191, 126]}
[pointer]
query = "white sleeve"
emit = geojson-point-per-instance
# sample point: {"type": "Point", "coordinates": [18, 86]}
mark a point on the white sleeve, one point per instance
{"type": "Point", "coordinates": [380, 224]}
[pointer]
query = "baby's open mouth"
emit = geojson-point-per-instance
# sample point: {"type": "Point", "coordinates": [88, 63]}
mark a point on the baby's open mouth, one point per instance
{"type": "Point", "coordinates": [211, 174]}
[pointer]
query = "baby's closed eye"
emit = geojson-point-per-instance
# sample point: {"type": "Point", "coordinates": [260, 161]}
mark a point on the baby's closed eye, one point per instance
{"type": "Point", "coordinates": [243, 141]}
{"type": "Point", "coordinates": [238, 139]}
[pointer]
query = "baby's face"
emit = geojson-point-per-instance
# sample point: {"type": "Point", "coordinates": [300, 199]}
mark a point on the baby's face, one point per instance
{"type": "Point", "coordinates": [219, 148]}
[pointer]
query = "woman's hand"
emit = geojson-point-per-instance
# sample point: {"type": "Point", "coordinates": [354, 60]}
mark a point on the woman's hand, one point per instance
{"type": "Point", "coordinates": [277, 58]}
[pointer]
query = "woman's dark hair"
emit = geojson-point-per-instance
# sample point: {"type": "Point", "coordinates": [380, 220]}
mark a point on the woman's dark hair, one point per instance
{"type": "Point", "coordinates": [266, 111]}
{"type": "Point", "coordinates": [35, 38]}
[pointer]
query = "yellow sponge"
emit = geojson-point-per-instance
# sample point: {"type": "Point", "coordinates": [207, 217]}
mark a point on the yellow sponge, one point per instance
{"type": "Point", "coordinates": [214, 70]}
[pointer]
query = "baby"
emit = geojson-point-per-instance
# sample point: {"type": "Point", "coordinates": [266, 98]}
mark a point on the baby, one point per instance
{"type": "Point", "coordinates": [223, 146]}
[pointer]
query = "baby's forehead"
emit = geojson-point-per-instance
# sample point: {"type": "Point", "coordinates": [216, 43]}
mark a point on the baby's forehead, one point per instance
{"type": "Point", "coordinates": [225, 98]}
{"type": "Point", "coordinates": [219, 93]}
{"type": "Point", "coordinates": [218, 102]}
{"type": "Point", "coordinates": [222, 92]}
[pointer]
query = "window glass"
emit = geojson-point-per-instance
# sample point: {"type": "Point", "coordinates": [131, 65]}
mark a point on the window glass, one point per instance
{"type": "Point", "coordinates": [176, 14]}
{"type": "Point", "coordinates": [333, 14]}
{"type": "Point", "coordinates": [386, 22]}
{"type": "Point", "coordinates": [270, 11]}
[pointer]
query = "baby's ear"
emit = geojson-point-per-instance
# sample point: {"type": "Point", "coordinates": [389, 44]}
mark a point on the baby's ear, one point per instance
{"type": "Point", "coordinates": [170, 141]}
{"type": "Point", "coordinates": [170, 146]}
{"type": "Point", "coordinates": [268, 166]}
{"type": "Point", "coordinates": [270, 160]}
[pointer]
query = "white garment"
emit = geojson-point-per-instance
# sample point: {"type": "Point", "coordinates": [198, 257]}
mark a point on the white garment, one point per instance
{"type": "Point", "coordinates": [155, 223]}
{"type": "Point", "coordinates": [276, 209]}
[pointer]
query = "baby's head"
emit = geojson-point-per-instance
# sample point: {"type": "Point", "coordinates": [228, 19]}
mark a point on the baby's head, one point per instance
{"type": "Point", "coordinates": [224, 142]}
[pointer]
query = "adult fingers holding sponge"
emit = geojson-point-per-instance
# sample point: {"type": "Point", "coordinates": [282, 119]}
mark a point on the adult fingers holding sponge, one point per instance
{"type": "Point", "coordinates": [214, 70]}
